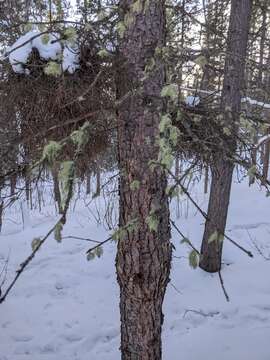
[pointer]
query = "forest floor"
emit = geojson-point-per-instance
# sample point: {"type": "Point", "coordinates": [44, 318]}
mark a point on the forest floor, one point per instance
{"type": "Point", "coordinates": [66, 308]}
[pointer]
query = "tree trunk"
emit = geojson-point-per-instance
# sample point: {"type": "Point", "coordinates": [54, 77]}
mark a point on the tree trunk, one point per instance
{"type": "Point", "coordinates": [222, 167]}
{"type": "Point", "coordinates": [98, 181]}
{"type": "Point", "coordinates": [206, 179]}
{"type": "Point", "coordinates": [13, 183]}
{"type": "Point", "coordinates": [56, 188]}
{"type": "Point", "coordinates": [88, 182]}
{"type": "Point", "coordinates": [1, 213]}
{"type": "Point", "coordinates": [266, 160]}
{"type": "Point", "coordinates": [144, 251]}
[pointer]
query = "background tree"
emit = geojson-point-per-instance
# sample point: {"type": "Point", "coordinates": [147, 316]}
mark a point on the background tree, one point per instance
{"type": "Point", "coordinates": [230, 108]}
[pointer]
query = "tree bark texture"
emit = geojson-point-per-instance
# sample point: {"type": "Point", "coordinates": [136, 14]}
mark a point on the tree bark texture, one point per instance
{"type": "Point", "coordinates": [222, 166]}
{"type": "Point", "coordinates": [144, 255]}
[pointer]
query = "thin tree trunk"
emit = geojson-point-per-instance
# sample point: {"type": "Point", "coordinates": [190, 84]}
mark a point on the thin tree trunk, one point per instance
{"type": "Point", "coordinates": [88, 182]}
{"type": "Point", "coordinates": [27, 188]}
{"type": "Point", "coordinates": [260, 84]}
{"type": "Point", "coordinates": [177, 175]}
{"type": "Point", "coordinates": [222, 169]}
{"type": "Point", "coordinates": [254, 155]}
{"type": "Point", "coordinates": [144, 252]}
{"type": "Point", "coordinates": [1, 213]}
{"type": "Point", "coordinates": [206, 179]}
{"type": "Point", "coordinates": [13, 183]}
{"type": "Point", "coordinates": [98, 180]}
{"type": "Point", "coordinates": [266, 160]}
{"type": "Point", "coordinates": [56, 189]}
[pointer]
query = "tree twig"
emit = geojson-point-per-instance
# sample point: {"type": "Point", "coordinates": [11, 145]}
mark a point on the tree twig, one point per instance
{"type": "Point", "coordinates": [198, 312]}
{"type": "Point", "coordinates": [249, 253]}
{"type": "Point", "coordinates": [99, 245]}
{"type": "Point", "coordinates": [27, 261]}
{"type": "Point", "coordinates": [184, 237]}
{"type": "Point", "coordinates": [223, 287]}
{"type": "Point", "coordinates": [80, 238]}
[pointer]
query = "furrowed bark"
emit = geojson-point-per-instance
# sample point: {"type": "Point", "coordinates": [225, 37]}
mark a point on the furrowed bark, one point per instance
{"type": "Point", "coordinates": [144, 255]}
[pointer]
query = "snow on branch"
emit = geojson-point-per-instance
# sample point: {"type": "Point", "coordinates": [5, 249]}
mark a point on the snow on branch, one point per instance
{"type": "Point", "coordinates": [263, 140]}
{"type": "Point", "coordinates": [192, 100]}
{"type": "Point", "coordinates": [50, 46]}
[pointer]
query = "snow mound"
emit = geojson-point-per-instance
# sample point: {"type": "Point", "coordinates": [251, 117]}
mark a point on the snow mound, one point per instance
{"type": "Point", "coordinates": [49, 47]}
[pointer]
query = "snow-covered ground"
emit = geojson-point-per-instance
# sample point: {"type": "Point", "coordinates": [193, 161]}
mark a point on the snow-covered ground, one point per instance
{"type": "Point", "coordinates": [64, 307]}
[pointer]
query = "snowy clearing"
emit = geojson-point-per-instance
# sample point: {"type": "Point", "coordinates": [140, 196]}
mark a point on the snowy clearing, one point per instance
{"type": "Point", "coordinates": [66, 308]}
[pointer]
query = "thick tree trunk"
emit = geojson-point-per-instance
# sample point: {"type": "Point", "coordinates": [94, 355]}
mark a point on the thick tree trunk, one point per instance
{"type": "Point", "coordinates": [222, 169]}
{"type": "Point", "coordinates": [144, 251]}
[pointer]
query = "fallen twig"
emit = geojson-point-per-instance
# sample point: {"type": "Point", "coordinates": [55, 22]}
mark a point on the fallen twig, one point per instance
{"type": "Point", "coordinates": [198, 312]}
{"type": "Point", "coordinates": [257, 247]}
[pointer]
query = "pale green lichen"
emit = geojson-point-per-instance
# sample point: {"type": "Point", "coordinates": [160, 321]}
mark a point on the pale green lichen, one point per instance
{"type": "Point", "coordinates": [135, 185]}
{"type": "Point", "coordinates": [201, 61]}
{"type": "Point", "coordinates": [165, 156]}
{"type": "Point", "coordinates": [173, 191]}
{"type": "Point", "coordinates": [35, 243]}
{"type": "Point", "coordinates": [45, 39]}
{"type": "Point", "coordinates": [121, 232]}
{"type": "Point", "coordinates": [91, 256]}
{"type": "Point", "coordinates": [66, 176]}
{"type": "Point", "coordinates": [58, 232]}
{"type": "Point", "coordinates": [53, 69]}
{"type": "Point", "coordinates": [103, 53]}
{"type": "Point", "coordinates": [51, 152]}
{"type": "Point", "coordinates": [28, 27]}
{"type": "Point", "coordinates": [121, 28]}
{"type": "Point", "coordinates": [97, 252]}
{"type": "Point", "coordinates": [252, 172]}
{"type": "Point", "coordinates": [168, 139]}
{"type": "Point", "coordinates": [171, 91]}
{"type": "Point", "coordinates": [152, 219]}
{"type": "Point", "coordinates": [215, 237]}
{"type": "Point", "coordinates": [137, 6]}
{"type": "Point", "coordinates": [129, 19]}
{"type": "Point", "coordinates": [150, 66]}
{"type": "Point", "coordinates": [194, 259]}
{"type": "Point", "coordinates": [80, 137]}
{"type": "Point", "coordinates": [70, 35]}
{"type": "Point", "coordinates": [152, 222]}
{"type": "Point", "coordinates": [227, 131]}
{"type": "Point", "coordinates": [165, 122]}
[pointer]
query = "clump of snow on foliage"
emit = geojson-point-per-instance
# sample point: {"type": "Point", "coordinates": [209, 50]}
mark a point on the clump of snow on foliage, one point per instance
{"type": "Point", "coordinates": [70, 58]}
{"type": "Point", "coordinates": [49, 46]}
{"type": "Point", "coordinates": [192, 101]}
